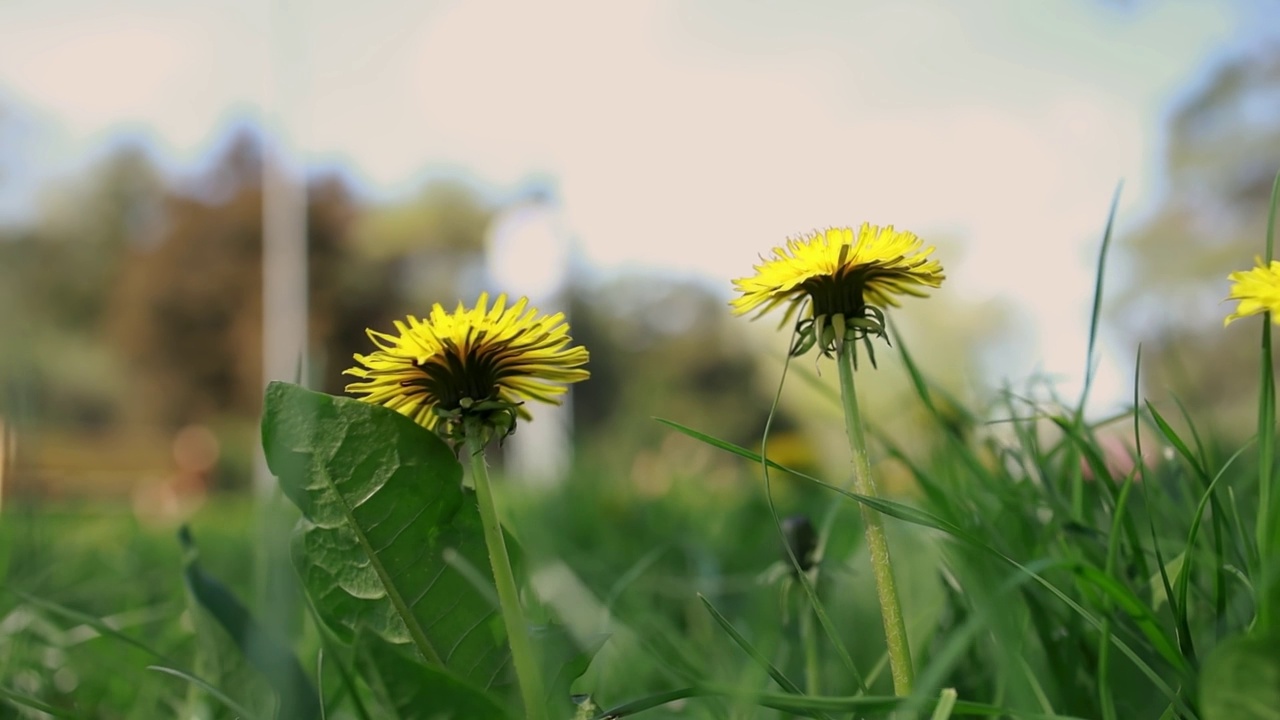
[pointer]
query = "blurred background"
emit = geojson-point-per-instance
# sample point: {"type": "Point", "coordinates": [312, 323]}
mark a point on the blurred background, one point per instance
{"type": "Point", "coordinates": [620, 162]}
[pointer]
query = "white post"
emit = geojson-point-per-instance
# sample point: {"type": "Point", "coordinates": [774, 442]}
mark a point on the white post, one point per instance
{"type": "Point", "coordinates": [284, 218]}
{"type": "Point", "coordinates": [528, 254]}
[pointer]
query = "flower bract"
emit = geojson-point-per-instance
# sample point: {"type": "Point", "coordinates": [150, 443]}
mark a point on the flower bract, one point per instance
{"type": "Point", "coordinates": [485, 361]}
{"type": "Point", "coordinates": [1258, 290]}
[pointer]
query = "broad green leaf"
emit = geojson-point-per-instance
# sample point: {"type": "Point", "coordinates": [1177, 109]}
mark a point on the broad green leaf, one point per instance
{"type": "Point", "coordinates": [382, 501]}
{"type": "Point", "coordinates": [1241, 680]}
{"type": "Point", "coordinates": [415, 691]}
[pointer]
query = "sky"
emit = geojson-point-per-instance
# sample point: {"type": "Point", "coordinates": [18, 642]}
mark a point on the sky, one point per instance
{"type": "Point", "coordinates": [682, 136]}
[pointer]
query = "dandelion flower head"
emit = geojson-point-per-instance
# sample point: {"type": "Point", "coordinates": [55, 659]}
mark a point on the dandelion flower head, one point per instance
{"type": "Point", "coordinates": [841, 271]}
{"type": "Point", "coordinates": [1258, 290]}
{"type": "Point", "coordinates": [488, 357]}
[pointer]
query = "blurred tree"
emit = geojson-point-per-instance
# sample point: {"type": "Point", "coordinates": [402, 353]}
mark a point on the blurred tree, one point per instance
{"type": "Point", "coordinates": [436, 242]}
{"type": "Point", "coordinates": [1222, 154]}
{"type": "Point", "coordinates": [54, 278]}
{"type": "Point", "coordinates": [663, 348]}
{"type": "Point", "coordinates": [187, 313]}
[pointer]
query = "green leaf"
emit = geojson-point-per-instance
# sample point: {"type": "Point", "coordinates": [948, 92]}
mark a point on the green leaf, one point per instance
{"type": "Point", "coordinates": [382, 501]}
{"type": "Point", "coordinates": [1159, 595]}
{"type": "Point", "coordinates": [563, 661]}
{"type": "Point", "coordinates": [1241, 680]}
{"type": "Point", "coordinates": [264, 651]}
{"type": "Point", "coordinates": [415, 691]}
{"type": "Point", "coordinates": [1125, 599]}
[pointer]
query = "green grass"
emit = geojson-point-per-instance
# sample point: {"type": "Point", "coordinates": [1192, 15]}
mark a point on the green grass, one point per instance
{"type": "Point", "coordinates": [1026, 585]}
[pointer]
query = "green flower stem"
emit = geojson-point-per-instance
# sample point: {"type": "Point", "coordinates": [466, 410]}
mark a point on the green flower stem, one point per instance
{"type": "Point", "coordinates": [526, 664]}
{"type": "Point", "coordinates": [895, 630]}
{"type": "Point", "coordinates": [1266, 476]}
{"type": "Point", "coordinates": [1268, 528]}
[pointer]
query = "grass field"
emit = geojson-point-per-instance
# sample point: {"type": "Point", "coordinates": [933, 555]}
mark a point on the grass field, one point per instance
{"type": "Point", "coordinates": [1040, 576]}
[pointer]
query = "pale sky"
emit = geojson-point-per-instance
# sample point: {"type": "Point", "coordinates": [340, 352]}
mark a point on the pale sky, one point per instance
{"type": "Point", "coordinates": [685, 136]}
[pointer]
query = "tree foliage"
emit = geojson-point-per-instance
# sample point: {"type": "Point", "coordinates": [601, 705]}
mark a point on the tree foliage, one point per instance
{"type": "Point", "coordinates": [1222, 154]}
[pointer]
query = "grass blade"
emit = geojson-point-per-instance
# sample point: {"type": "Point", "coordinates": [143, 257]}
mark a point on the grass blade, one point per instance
{"type": "Point", "coordinates": [1178, 444]}
{"type": "Point", "coordinates": [98, 624]}
{"type": "Point", "coordinates": [1105, 699]}
{"type": "Point", "coordinates": [1220, 564]}
{"type": "Point", "coordinates": [27, 701]}
{"type": "Point", "coordinates": [649, 702]}
{"type": "Point", "coordinates": [778, 676]}
{"type": "Point", "coordinates": [946, 703]}
{"type": "Point", "coordinates": [1127, 601]}
{"type": "Point", "coordinates": [231, 705]}
{"type": "Point", "coordinates": [1096, 313]}
{"type": "Point", "coordinates": [1184, 574]}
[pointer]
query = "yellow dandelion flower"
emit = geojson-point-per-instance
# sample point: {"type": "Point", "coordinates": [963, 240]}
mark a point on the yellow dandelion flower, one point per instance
{"type": "Point", "coordinates": [1258, 290]}
{"type": "Point", "coordinates": [486, 360]}
{"type": "Point", "coordinates": [841, 272]}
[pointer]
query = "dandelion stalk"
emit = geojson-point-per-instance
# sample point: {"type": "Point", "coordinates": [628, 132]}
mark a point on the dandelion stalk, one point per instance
{"type": "Point", "coordinates": [895, 629]}
{"type": "Point", "coordinates": [1269, 596]}
{"type": "Point", "coordinates": [527, 673]}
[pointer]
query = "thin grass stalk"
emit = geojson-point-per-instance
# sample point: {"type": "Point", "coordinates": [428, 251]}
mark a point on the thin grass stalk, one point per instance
{"type": "Point", "coordinates": [812, 657]}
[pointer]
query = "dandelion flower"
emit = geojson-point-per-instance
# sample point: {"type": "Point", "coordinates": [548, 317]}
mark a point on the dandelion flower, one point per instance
{"type": "Point", "coordinates": [843, 273]}
{"type": "Point", "coordinates": [1258, 290]}
{"type": "Point", "coordinates": [484, 361]}
{"type": "Point", "coordinates": [840, 271]}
